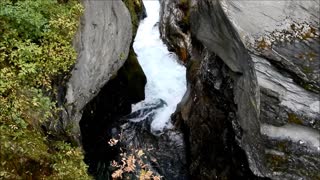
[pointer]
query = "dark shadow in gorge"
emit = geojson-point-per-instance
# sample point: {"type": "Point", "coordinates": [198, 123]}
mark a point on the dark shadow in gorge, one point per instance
{"type": "Point", "coordinates": [105, 111]}
{"type": "Point", "coordinates": [106, 116]}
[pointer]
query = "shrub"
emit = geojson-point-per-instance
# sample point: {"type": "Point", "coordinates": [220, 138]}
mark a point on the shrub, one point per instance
{"type": "Point", "coordinates": [133, 164]}
{"type": "Point", "coordinates": [35, 47]}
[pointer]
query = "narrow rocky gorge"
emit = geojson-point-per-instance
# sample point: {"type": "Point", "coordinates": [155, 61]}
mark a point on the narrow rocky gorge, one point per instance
{"type": "Point", "coordinates": [106, 80]}
{"type": "Point", "coordinates": [160, 89]}
{"type": "Point", "coordinates": [116, 83]}
{"type": "Point", "coordinates": [246, 107]}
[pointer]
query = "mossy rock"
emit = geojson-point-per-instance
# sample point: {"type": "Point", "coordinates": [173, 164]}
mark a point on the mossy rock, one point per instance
{"type": "Point", "coordinates": [292, 118]}
{"type": "Point", "coordinates": [132, 74]}
{"type": "Point", "coordinates": [276, 162]}
{"type": "Point", "coordinates": [184, 5]}
{"type": "Point", "coordinates": [136, 10]}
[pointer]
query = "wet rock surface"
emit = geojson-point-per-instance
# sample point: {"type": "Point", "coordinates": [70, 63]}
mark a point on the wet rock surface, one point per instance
{"type": "Point", "coordinates": [165, 150]}
{"type": "Point", "coordinates": [163, 153]}
{"type": "Point", "coordinates": [105, 112]}
{"type": "Point", "coordinates": [253, 78]}
{"type": "Point", "coordinates": [174, 27]}
{"type": "Point", "coordinates": [147, 113]}
{"type": "Point", "coordinates": [206, 116]}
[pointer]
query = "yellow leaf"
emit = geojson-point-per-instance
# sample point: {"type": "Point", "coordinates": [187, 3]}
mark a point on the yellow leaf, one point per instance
{"type": "Point", "coordinates": [140, 153]}
{"type": "Point", "coordinates": [145, 175]}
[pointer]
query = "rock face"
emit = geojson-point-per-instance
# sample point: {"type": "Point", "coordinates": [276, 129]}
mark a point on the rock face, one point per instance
{"type": "Point", "coordinates": [123, 82]}
{"type": "Point", "coordinates": [102, 43]}
{"type": "Point", "coordinates": [252, 103]}
{"type": "Point", "coordinates": [174, 27]}
{"type": "Point", "coordinates": [105, 111]}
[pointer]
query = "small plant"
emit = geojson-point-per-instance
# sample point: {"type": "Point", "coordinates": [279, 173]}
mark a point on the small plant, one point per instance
{"type": "Point", "coordinates": [132, 165]}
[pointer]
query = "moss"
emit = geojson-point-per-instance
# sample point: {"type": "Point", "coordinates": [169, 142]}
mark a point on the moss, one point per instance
{"type": "Point", "coordinates": [292, 118]}
{"type": "Point", "coordinates": [184, 5]}
{"type": "Point", "coordinates": [309, 86]}
{"type": "Point", "coordinates": [306, 70]}
{"type": "Point", "coordinates": [135, 8]}
{"type": "Point", "coordinates": [122, 56]}
{"type": "Point", "coordinates": [311, 55]}
{"type": "Point", "coordinates": [133, 75]}
{"type": "Point", "coordinates": [276, 162]}
{"type": "Point", "coordinates": [282, 146]}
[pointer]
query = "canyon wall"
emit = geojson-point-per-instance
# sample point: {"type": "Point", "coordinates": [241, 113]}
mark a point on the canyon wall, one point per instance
{"type": "Point", "coordinates": [106, 80]}
{"type": "Point", "coordinates": [104, 46]}
{"type": "Point", "coordinates": [252, 105]}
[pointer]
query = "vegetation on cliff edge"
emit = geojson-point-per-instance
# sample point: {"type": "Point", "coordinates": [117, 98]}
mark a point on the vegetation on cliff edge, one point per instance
{"type": "Point", "coordinates": [35, 48]}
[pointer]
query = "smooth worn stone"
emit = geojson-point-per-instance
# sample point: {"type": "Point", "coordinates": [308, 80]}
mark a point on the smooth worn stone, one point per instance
{"type": "Point", "coordinates": [102, 44]}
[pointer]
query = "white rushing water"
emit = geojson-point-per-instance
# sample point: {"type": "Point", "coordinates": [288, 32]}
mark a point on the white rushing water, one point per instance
{"type": "Point", "coordinates": [166, 78]}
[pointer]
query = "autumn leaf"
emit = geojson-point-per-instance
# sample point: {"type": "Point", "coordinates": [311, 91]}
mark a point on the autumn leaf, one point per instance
{"type": "Point", "coordinates": [117, 174]}
{"type": "Point", "coordinates": [156, 177]}
{"type": "Point", "coordinates": [145, 175]}
{"type": "Point", "coordinates": [130, 164]}
{"type": "Point", "coordinates": [140, 153]}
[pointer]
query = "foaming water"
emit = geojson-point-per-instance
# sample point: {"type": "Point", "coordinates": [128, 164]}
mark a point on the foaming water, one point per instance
{"type": "Point", "coordinates": [166, 78]}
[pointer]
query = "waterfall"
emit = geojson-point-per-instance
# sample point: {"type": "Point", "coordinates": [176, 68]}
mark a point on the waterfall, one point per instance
{"type": "Point", "coordinates": [166, 78]}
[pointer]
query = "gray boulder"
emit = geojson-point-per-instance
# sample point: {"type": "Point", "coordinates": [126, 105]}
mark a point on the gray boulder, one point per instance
{"type": "Point", "coordinates": [102, 44]}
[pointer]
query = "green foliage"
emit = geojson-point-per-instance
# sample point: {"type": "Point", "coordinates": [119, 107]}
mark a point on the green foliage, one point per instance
{"type": "Point", "coordinates": [35, 47]}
